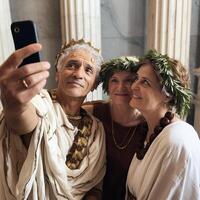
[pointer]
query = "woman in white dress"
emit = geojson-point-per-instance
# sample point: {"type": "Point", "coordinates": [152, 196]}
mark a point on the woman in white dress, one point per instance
{"type": "Point", "coordinates": [167, 166]}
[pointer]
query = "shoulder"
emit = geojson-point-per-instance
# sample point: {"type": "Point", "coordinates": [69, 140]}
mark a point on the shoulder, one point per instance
{"type": "Point", "coordinates": [91, 106]}
{"type": "Point", "coordinates": [96, 123]}
{"type": "Point", "coordinates": [180, 130]}
{"type": "Point", "coordinates": [180, 137]}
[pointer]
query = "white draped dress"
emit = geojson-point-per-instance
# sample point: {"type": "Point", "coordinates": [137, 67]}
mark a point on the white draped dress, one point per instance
{"type": "Point", "coordinates": [170, 169]}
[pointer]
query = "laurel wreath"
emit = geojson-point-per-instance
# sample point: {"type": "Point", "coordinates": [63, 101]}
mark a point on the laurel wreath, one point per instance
{"type": "Point", "coordinates": [125, 63]}
{"type": "Point", "coordinates": [181, 94]}
{"type": "Point", "coordinates": [69, 44]}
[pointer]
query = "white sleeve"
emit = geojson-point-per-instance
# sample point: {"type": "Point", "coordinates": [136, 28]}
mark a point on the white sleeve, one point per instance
{"type": "Point", "coordinates": [41, 103]}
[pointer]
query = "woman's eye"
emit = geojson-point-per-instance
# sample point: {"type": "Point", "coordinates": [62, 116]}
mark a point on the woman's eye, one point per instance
{"type": "Point", "coordinates": [113, 80]}
{"type": "Point", "coordinates": [145, 82]}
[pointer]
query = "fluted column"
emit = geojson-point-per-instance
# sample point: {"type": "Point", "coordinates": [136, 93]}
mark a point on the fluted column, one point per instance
{"type": "Point", "coordinates": [81, 19]}
{"type": "Point", "coordinates": [6, 43]}
{"type": "Point", "coordinates": [168, 27]}
{"type": "Point", "coordinates": [168, 31]}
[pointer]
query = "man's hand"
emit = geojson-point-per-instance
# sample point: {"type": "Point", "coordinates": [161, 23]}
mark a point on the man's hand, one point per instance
{"type": "Point", "coordinates": [20, 85]}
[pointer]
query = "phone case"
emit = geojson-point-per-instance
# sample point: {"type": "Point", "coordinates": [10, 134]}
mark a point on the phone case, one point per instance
{"type": "Point", "coordinates": [24, 33]}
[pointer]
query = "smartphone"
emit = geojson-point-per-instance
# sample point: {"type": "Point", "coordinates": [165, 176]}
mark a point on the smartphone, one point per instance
{"type": "Point", "coordinates": [24, 33]}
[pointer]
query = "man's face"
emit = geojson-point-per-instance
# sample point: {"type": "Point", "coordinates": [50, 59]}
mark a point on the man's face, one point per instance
{"type": "Point", "coordinates": [77, 74]}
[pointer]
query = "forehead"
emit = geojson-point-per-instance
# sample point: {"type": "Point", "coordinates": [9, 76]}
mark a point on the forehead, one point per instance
{"type": "Point", "coordinates": [122, 74]}
{"type": "Point", "coordinates": [81, 55]}
{"type": "Point", "coordinates": [147, 71]}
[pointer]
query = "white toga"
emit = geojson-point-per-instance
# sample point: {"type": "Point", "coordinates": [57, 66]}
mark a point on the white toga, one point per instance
{"type": "Point", "coordinates": [40, 173]}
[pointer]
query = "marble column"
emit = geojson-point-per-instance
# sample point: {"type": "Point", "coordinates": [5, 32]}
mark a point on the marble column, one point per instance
{"type": "Point", "coordinates": [168, 27]}
{"type": "Point", "coordinates": [81, 19]}
{"type": "Point", "coordinates": [6, 43]}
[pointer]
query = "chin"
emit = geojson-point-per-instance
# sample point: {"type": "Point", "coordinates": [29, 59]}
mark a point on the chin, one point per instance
{"type": "Point", "coordinates": [122, 98]}
{"type": "Point", "coordinates": [74, 93]}
{"type": "Point", "coordinates": [121, 101]}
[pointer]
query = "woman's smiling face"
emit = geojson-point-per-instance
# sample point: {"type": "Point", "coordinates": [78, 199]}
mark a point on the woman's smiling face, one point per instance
{"type": "Point", "coordinates": [146, 89]}
{"type": "Point", "coordinates": [119, 87]}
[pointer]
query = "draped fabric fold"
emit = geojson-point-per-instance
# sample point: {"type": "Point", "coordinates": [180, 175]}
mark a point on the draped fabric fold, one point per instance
{"type": "Point", "coordinates": [40, 172]}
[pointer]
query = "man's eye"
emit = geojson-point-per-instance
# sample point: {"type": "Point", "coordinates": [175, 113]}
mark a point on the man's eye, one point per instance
{"type": "Point", "coordinates": [70, 65]}
{"type": "Point", "coordinates": [89, 70]}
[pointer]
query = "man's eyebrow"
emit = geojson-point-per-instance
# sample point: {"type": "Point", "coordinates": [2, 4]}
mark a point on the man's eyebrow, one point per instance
{"type": "Point", "coordinates": [88, 65]}
{"type": "Point", "coordinates": [73, 61]}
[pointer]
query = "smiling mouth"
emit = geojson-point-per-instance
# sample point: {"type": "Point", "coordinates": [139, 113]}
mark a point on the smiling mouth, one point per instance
{"type": "Point", "coordinates": [136, 97]}
{"type": "Point", "coordinates": [122, 94]}
{"type": "Point", "coordinates": [74, 83]}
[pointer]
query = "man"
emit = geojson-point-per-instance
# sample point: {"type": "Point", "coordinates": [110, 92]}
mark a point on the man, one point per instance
{"type": "Point", "coordinates": [50, 147]}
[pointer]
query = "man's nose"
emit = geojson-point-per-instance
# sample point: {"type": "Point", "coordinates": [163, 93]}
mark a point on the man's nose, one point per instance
{"type": "Point", "coordinates": [79, 71]}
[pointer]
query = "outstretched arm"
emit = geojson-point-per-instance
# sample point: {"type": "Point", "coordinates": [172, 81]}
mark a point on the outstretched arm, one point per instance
{"type": "Point", "coordinates": [20, 114]}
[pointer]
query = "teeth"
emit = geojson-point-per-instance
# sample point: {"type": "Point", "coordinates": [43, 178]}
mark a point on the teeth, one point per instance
{"type": "Point", "coordinates": [135, 96]}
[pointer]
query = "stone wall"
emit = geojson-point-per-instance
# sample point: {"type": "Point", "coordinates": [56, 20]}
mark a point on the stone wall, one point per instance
{"type": "Point", "coordinates": [122, 27]}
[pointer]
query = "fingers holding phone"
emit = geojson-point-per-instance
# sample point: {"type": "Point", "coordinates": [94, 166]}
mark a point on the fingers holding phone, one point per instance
{"type": "Point", "coordinates": [32, 74]}
{"type": "Point", "coordinates": [22, 76]}
{"type": "Point", "coordinates": [20, 85]}
{"type": "Point", "coordinates": [16, 59]}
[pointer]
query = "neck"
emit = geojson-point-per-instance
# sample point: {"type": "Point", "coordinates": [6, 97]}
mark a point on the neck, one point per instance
{"type": "Point", "coordinates": [70, 105]}
{"type": "Point", "coordinates": [124, 114]}
{"type": "Point", "coordinates": [153, 119]}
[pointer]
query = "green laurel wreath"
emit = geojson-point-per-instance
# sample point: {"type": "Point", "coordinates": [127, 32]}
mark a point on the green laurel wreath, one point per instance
{"type": "Point", "coordinates": [124, 63]}
{"type": "Point", "coordinates": [181, 94]}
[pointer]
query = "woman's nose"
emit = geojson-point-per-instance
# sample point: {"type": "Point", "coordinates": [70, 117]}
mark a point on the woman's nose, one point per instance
{"type": "Point", "coordinates": [120, 85]}
{"type": "Point", "coordinates": [134, 85]}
